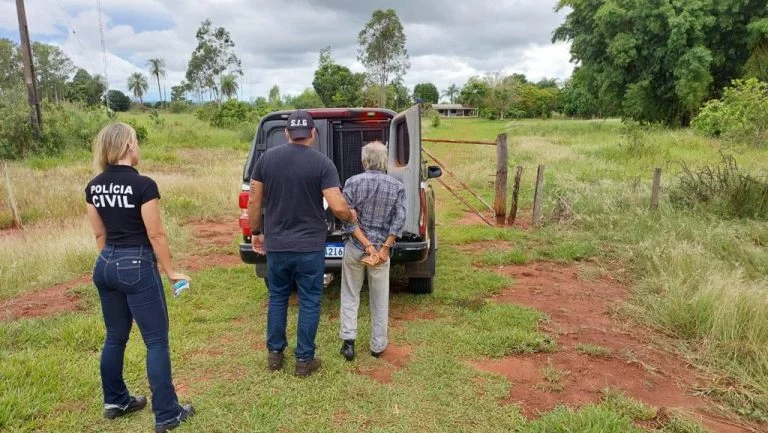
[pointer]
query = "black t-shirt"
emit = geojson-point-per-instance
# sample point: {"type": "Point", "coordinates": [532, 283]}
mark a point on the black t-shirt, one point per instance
{"type": "Point", "coordinates": [294, 177]}
{"type": "Point", "coordinates": [118, 194]}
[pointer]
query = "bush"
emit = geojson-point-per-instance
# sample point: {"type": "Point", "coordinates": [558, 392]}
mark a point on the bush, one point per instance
{"type": "Point", "coordinates": [179, 107]}
{"type": "Point", "coordinates": [15, 128]}
{"type": "Point", "coordinates": [723, 190]}
{"type": "Point", "coordinates": [69, 126]}
{"type": "Point", "coordinates": [206, 111]}
{"type": "Point", "coordinates": [231, 114]}
{"type": "Point", "coordinates": [141, 131]}
{"type": "Point", "coordinates": [740, 116]}
{"type": "Point", "coordinates": [434, 119]}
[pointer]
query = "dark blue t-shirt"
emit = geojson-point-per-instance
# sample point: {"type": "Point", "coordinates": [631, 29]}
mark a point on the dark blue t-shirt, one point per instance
{"type": "Point", "coordinates": [294, 177]}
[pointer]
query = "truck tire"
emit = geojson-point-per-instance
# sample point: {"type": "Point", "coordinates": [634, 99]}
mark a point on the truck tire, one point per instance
{"type": "Point", "coordinates": [420, 286]}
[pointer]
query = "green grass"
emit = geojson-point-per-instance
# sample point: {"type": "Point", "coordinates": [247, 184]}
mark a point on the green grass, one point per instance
{"type": "Point", "coordinates": [594, 350]}
{"type": "Point", "coordinates": [697, 278]}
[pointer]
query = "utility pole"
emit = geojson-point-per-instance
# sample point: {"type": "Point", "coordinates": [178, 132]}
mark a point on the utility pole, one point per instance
{"type": "Point", "coordinates": [29, 71]}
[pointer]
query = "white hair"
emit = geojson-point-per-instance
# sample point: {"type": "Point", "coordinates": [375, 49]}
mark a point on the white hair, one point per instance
{"type": "Point", "coordinates": [374, 156]}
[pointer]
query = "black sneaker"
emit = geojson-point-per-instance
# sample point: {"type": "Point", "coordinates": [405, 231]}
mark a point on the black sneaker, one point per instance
{"type": "Point", "coordinates": [112, 411]}
{"type": "Point", "coordinates": [376, 354]}
{"type": "Point", "coordinates": [275, 361]}
{"type": "Point", "coordinates": [305, 368]}
{"type": "Point", "coordinates": [186, 411]}
{"type": "Point", "coordinates": [348, 349]}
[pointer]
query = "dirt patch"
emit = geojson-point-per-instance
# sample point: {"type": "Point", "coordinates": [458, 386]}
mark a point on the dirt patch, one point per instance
{"type": "Point", "coordinates": [596, 352]}
{"type": "Point", "coordinates": [43, 303]}
{"type": "Point", "coordinates": [392, 360]}
{"type": "Point", "coordinates": [217, 233]}
{"type": "Point", "coordinates": [400, 314]}
{"type": "Point", "coordinates": [59, 298]}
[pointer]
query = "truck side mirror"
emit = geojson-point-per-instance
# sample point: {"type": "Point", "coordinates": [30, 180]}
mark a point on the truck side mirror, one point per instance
{"type": "Point", "coordinates": [434, 171]}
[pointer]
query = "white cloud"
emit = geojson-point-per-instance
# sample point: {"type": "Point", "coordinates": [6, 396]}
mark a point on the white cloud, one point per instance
{"type": "Point", "coordinates": [278, 41]}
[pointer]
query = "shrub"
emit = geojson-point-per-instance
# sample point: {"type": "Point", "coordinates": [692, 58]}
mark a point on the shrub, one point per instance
{"type": "Point", "coordinates": [722, 190]}
{"type": "Point", "coordinates": [434, 119]}
{"type": "Point", "coordinates": [206, 111]}
{"type": "Point", "coordinates": [179, 107]}
{"type": "Point", "coordinates": [231, 114]}
{"type": "Point", "coordinates": [740, 116]}
{"type": "Point", "coordinates": [141, 131]}
{"type": "Point", "coordinates": [69, 126]}
{"type": "Point", "coordinates": [15, 128]}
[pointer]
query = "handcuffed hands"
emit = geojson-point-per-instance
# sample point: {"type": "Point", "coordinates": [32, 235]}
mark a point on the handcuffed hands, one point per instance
{"type": "Point", "coordinates": [257, 243]}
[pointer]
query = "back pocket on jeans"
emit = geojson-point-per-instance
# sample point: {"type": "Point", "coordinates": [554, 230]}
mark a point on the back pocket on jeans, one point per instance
{"type": "Point", "coordinates": [129, 270]}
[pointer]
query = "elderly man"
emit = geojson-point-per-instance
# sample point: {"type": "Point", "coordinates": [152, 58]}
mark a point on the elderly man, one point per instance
{"type": "Point", "coordinates": [379, 200]}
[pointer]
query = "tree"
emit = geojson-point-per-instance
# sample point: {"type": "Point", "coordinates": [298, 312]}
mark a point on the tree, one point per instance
{"type": "Point", "coordinates": [274, 99]}
{"type": "Point", "coordinates": [137, 83]}
{"type": "Point", "coordinates": [52, 68]}
{"type": "Point", "coordinates": [398, 96]}
{"type": "Point", "coordinates": [336, 85]}
{"type": "Point", "coordinates": [86, 88]}
{"type": "Point", "coordinates": [451, 92]}
{"type": "Point", "coordinates": [306, 99]}
{"type": "Point", "coordinates": [661, 59]}
{"type": "Point", "coordinates": [10, 64]}
{"type": "Point", "coordinates": [179, 92]}
{"type": "Point", "coordinates": [473, 93]}
{"type": "Point", "coordinates": [426, 93]}
{"type": "Point", "coordinates": [546, 83]}
{"type": "Point", "coordinates": [229, 86]}
{"type": "Point", "coordinates": [382, 50]}
{"type": "Point", "coordinates": [214, 56]}
{"type": "Point", "coordinates": [118, 100]}
{"type": "Point", "coordinates": [157, 70]}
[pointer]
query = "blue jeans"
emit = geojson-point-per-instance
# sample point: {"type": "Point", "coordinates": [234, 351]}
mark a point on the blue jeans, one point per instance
{"type": "Point", "coordinates": [306, 271]}
{"type": "Point", "coordinates": [130, 288]}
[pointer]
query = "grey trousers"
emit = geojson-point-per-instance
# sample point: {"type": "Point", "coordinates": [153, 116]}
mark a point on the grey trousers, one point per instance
{"type": "Point", "coordinates": [352, 275]}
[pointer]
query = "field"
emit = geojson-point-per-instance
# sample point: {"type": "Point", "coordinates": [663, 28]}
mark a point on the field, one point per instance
{"type": "Point", "coordinates": [608, 318]}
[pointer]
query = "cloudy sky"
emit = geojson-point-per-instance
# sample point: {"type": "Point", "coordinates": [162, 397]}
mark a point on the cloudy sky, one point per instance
{"type": "Point", "coordinates": [278, 41]}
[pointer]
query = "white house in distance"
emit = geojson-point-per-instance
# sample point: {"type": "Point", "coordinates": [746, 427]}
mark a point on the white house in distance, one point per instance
{"type": "Point", "coordinates": [454, 110]}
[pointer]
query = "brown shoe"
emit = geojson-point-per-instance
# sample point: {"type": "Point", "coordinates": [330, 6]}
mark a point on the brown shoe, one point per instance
{"type": "Point", "coordinates": [275, 361]}
{"type": "Point", "coordinates": [306, 368]}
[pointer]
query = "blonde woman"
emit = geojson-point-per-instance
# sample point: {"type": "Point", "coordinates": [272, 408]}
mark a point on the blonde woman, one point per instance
{"type": "Point", "coordinates": [124, 212]}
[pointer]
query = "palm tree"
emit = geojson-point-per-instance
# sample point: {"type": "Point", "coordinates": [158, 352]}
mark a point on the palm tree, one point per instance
{"type": "Point", "coordinates": [450, 92]}
{"type": "Point", "coordinates": [137, 83]}
{"type": "Point", "coordinates": [229, 86]}
{"type": "Point", "coordinates": [157, 70]}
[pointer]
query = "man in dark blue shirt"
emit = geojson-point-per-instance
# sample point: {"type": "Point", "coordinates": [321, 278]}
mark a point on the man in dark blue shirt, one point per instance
{"type": "Point", "coordinates": [291, 181]}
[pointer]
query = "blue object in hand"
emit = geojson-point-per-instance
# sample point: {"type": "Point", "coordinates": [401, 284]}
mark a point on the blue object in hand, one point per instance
{"type": "Point", "coordinates": [179, 287]}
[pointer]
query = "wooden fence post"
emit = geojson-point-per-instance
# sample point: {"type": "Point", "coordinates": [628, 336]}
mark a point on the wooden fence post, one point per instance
{"type": "Point", "coordinates": [656, 189]}
{"type": "Point", "coordinates": [12, 200]}
{"type": "Point", "coordinates": [502, 167]}
{"type": "Point", "coordinates": [515, 196]}
{"type": "Point", "coordinates": [538, 196]}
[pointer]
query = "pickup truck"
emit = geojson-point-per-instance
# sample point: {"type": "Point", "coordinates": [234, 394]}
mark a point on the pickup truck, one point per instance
{"type": "Point", "coordinates": [342, 132]}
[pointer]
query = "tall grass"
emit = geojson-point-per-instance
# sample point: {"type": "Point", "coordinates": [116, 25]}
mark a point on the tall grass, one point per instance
{"type": "Point", "coordinates": [198, 179]}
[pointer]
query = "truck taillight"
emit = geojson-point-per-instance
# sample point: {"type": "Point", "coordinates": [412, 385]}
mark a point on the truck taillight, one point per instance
{"type": "Point", "coordinates": [423, 219]}
{"type": "Point", "coordinates": [243, 220]}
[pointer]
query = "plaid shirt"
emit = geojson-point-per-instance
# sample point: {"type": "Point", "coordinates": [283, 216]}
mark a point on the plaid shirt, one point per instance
{"type": "Point", "coordinates": [379, 200]}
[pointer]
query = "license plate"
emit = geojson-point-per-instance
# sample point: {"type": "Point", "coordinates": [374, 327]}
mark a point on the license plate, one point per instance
{"type": "Point", "coordinates": [334, 250]}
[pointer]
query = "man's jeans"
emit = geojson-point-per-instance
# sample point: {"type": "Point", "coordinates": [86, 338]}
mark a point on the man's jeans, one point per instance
{"type": "Point", "coordinates": [306, 271]}
{"type": "Point", "coordinates": [352, 276]}
{"type": "Point", "coordinates": [130, 288]}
